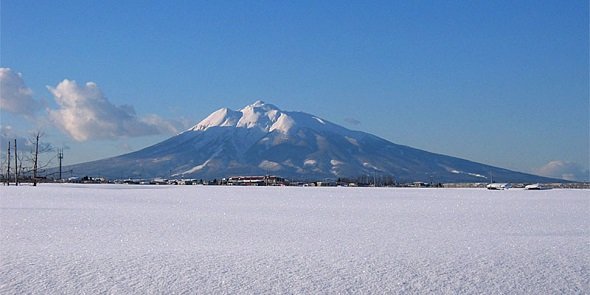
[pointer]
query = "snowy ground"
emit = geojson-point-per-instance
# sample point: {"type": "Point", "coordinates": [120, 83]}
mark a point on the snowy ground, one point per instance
{"type": "Point", "coordinates": [71, 239]}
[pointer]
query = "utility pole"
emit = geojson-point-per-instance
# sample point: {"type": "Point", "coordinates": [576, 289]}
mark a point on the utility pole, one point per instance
{"type": "Point", "coordinates": [60, 156]}
{"type": "Point", "coordinates": [8, 169]}
{"type": "Point", "coordinates": [15, 165]}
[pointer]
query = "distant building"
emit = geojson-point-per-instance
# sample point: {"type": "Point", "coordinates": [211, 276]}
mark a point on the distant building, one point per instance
{"type": "Point", "coordinates": [498, 186]}
{"type": "Point", "coordinates": [420, 184]}
{"type": "Point", "coordinates": [188, 181]}
{"type": "Point", "coordinates": [74, 179]}
{"type": "Point", "coordinates": [537, 186]}
{"type": "Point", "coordinates": [256, 180]}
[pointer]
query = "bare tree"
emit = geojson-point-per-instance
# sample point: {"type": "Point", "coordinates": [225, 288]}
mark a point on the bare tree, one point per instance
{"type": "Point", "coordinates": [36, 158]}
{"type": "Point", "coordinates": [8, 165]}
{"type": "Point", "coordinates": [37, 149]}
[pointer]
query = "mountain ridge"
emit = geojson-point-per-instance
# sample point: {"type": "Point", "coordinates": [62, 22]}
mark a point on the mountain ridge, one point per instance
{"type": "Point", "coordinates": [263, 139]}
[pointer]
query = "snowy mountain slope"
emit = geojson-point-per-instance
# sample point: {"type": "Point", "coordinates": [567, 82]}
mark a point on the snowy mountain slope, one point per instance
{"type": "Point", "coordinates": [262, 139]}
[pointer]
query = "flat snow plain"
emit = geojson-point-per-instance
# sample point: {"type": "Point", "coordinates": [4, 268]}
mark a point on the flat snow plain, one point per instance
{"type": "Point", "coordinates": [72, 239]}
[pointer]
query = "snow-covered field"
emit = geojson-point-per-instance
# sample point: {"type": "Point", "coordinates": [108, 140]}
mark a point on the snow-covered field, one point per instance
{"type": "Point", "coordinates": [72, 239]}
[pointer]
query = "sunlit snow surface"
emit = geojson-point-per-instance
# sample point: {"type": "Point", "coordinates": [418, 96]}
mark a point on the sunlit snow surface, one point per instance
{"type": "Point", "coordinates": [71, 239]}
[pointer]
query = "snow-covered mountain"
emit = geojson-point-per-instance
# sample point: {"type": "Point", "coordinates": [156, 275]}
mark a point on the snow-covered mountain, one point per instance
{"type": "Point", "coordinates": [263, 139]}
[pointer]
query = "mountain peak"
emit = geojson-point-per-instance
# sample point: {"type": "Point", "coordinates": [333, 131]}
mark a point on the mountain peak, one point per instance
{"type": "Point", "coordinates": [219, 118]}
{"type": "Point", "coordinates": [258, 103]}
{"type": "Point", "coordinates": [266, 117]}
{"type": "Point", "coordinates": [259, 115]}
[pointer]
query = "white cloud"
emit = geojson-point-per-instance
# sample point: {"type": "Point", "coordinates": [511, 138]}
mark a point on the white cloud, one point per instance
{"type": "Point", "coordinates": [564, 170]}
{"type": "Point", "coordinates": [15, 96]}
{"type": "Point", "coordinates": [85, 113]}
{"type": "Point", "coordinates": [8, 134]}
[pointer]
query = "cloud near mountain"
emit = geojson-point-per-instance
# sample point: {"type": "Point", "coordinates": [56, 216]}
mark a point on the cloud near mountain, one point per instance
{"type": "Point", "coordinates": [15, 96]}
{"type": "Point", "coordinates": [564, 170]}
{"type": "Point", "coordinates": [85, 113]}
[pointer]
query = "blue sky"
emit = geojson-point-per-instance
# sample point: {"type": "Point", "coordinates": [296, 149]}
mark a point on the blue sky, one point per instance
{"type": "Point", "coordinates": [497, 82]}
